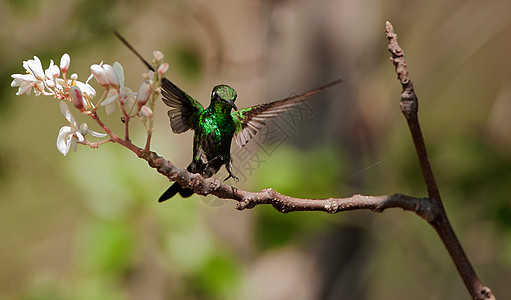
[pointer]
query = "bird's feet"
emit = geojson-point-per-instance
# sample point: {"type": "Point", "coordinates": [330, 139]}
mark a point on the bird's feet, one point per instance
{"type": "Point", "coordinates": [233, 177]}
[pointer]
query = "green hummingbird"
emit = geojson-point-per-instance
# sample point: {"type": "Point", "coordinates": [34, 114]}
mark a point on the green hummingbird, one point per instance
{"type": "Point", "coordinates": [216, 125]}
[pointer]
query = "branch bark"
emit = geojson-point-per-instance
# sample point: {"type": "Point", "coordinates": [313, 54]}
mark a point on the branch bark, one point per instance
{"type": "Point", "coordinates": [283, 203]}
{"type": "Point", "coordinates": [409, 107]}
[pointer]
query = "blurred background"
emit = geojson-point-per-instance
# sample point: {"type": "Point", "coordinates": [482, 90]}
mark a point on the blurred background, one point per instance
{"type": "Point", "coordinates": [88, 226]}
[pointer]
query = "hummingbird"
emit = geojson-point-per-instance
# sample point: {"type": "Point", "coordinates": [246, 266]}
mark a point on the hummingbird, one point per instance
{"type": "Point", "coordinates": [216, 125]}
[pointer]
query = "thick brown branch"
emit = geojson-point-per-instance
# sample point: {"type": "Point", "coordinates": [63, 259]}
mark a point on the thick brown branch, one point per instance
{"type": "Point", "coordinates": [283, 203]}
{"type": "Point", "coordinates": [409, 107]}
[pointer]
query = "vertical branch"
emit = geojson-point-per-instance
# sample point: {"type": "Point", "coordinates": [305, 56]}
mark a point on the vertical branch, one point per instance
{"type": "Point", "coordinates": [126, 122]}
{"type": "Point", "coordinates": [409, 107]}
{"type": "Point", "coordinates": [154, 96]}
{"type": "Point", "coordinates": [149, 135]}
{"type": "Point", "coordinates": [114, 138]}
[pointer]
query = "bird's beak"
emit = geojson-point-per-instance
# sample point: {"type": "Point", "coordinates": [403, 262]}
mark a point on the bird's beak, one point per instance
{"type": "Point", "coordinates": [233, 105]}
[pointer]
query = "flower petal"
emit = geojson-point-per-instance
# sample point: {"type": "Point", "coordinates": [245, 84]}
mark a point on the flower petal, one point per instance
{"type": "Point", "coordinates": [19, 78]}
{"type": "Point", "coordinates": [112, 76]}
{"type": "Point", "coordinates": [97, 134]}
{"type": "Point", "coordinates": [110, 108]}
{"type": "Point", "coordinates": [36, 68]}
{"type": "Point", "coordinates": [66, 112]}
{"type": "Point", "coordinates": [87, 89]}
{"type": "Point", "coordinates": [62, 139]}
{"type": "Point", "coordinates": [73, 143]}
{"type": "Point", "coordinates": [53, 71]}
{"type": "Point", "coordinates": [120, 73]}
{"type": "Point", "coordinates": [79, 137]}
{"type": "Point", "coordinates": [24, 88]}
{"type": "Point", "coordinates": [110, 99]}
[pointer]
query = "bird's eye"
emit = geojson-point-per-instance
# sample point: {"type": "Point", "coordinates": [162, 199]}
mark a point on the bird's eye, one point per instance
{"type": "Point", "coordinates": [214, 95]}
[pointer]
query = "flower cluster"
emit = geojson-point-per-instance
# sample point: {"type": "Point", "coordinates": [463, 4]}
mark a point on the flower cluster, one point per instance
{"type": "Point", "coordinates": [48, 82]}
{"type": "Point", "coordinates": [54, 81]}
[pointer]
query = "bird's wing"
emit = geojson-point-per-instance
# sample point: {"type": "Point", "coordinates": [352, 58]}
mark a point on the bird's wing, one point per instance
{"type": "Point", "coordinates": [184, 110]}
{"type": "Point", "coordinates": [251, 119]}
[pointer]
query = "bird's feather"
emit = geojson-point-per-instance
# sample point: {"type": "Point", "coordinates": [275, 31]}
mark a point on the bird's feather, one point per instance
{"type": "Point", "coordinates": [184, 110]}
{"type": "Point", "coordinates": [250, 120]}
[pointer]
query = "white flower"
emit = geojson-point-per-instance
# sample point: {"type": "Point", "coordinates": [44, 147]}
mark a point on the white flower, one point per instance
{"type": "Point", "coordinates": [115, 76]}
{"type": "Point", "coordinates": [70, 136]}
{"type": "Point", "coordinates": [100, 74]}
{"type": "Point", "coordinates": [88, 91]}
{"type": "Point", "coordinates": [26, 82]}
{"type": "Point", "coordinates": [34, 78]}
{"type": "Point", "coordinates": [46, 82]}
{"type": "Point", "coordinates": [53, 71]}
{"type": "Point", "coordinates": [124, 95]}
{"type": "Point", "coordinates": [35, 67]}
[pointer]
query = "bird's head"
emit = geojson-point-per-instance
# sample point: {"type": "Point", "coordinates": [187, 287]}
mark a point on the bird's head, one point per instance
{"type": "Point", "coordinates": [224, 95]}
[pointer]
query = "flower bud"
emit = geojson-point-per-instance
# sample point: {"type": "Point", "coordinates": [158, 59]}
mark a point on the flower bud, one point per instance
{"type": "Point", "coordinates": [64, 62]}
{"type": "Point", "coordinates": [146, 111]}
{"type": "Point", "coordinates": [74, 76]}
{"type": "Point", "coordinates": [77, 97]}
{"type": "Point", "coordinates": [84, 129]}
{"type": "Point", "coordinates": [112, 76]}
{"type": "Point", "coordinates": [100, 74]}
{"type": "Point", "coordinates": [143, 93]}
{"type": "Point", "coordinates": [148, 75]}
{"type": "Point", "coordinates": [162, 69]}
{"type": "Point", "coordinates": [158, 56]}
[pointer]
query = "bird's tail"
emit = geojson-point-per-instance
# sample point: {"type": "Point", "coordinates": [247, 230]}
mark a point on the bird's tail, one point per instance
{"type": "Point", "coordinates": [173, 190]}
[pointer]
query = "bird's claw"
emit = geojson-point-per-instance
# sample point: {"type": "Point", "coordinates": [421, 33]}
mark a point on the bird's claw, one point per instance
{"type": "Point", "coordinates": [236, 179]}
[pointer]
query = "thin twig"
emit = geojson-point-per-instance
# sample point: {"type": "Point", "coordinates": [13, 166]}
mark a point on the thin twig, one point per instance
{"type": "Point", "coordinates": [126, 121]}
{"type": "Point", "coordinates": [409, 107]}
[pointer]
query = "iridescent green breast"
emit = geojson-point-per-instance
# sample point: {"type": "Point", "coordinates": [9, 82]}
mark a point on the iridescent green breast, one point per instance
{"type": "Point", "coordinates": [213, 135]}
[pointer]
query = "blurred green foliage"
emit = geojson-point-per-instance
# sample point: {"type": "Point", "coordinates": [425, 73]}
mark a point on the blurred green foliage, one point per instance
{"type": "Point", "coordinates": [87, 226]}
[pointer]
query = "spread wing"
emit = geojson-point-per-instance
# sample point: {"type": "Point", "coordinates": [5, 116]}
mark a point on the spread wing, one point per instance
{"type": "Point", "coordinates": [184, 110]}
{"type": "Point", "coordinates": [251, 119]}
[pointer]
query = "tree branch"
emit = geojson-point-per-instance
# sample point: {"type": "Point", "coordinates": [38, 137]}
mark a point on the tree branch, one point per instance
{"type": "Point", "coordinates": [283, 203]}
{"type": "Point", "coordinates": [409, 107]}
{"type": "Point", "coordinates": [431, 209]}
